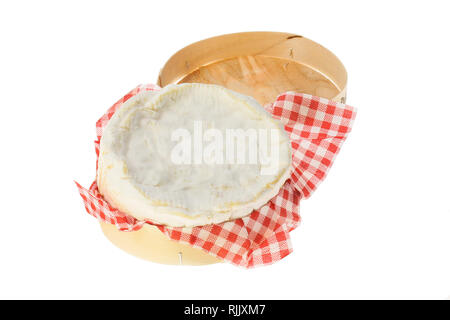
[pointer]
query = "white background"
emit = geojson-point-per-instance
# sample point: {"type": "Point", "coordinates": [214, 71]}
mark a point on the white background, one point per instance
{"type": "Point", "coordinates": [378, 227]}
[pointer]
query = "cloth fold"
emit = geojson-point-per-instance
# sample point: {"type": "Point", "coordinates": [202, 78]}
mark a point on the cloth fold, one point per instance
{"type": "Point", "coordinates": [317, 128]}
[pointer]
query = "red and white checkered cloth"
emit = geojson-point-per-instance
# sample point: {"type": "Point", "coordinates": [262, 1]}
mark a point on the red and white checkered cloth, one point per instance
{"type": "Point", "coordinates": [317, 128]}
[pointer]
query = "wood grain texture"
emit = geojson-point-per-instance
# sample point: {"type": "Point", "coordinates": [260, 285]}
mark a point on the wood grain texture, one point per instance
{"type": "Point", "coordinates": [259, 64]}
{"type": "Point", "coordinates": [264, 78]}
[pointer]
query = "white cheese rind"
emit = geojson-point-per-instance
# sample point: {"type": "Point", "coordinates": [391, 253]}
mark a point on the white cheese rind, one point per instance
{"type": "Point", "coordinates": [136, 174]}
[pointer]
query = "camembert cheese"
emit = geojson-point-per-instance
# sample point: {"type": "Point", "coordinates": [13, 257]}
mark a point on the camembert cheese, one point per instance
{"type": "Point", "coordinates": [192, 154]}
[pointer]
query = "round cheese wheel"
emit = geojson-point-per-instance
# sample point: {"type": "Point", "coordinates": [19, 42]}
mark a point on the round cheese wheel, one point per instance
{"type": "Point", "coordinates": [191, 155]}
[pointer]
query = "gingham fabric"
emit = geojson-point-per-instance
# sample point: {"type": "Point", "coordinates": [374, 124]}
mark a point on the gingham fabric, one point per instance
{"type": "Point", "coordinates": [317, 128]}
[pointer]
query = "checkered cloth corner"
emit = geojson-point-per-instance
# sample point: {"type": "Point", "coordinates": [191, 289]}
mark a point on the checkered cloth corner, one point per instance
{"type": "Point", "coordinates": [317, 128]}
